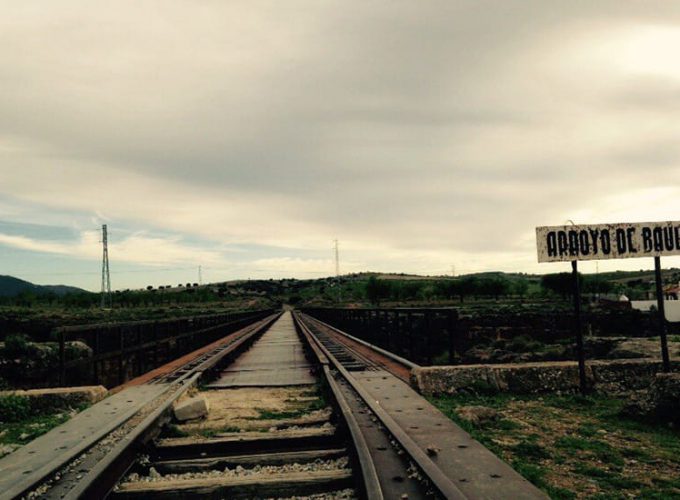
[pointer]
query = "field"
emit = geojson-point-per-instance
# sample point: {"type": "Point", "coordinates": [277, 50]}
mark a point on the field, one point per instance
{"type": "Point", "coordinates": [576, 447]}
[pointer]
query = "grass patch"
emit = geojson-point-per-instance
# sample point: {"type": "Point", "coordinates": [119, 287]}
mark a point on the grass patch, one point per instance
{"type": "Point", "coordinates": [14, 408]}
{"type": "Point", "coordinates": [173, 431]}
{"type": "Point", "coordinates": [531, 449]}
{"type": "Point", "coordinates": [279, 415]}
{"type": "Point", "coordinates": [637, 454]}
{"type": "Point", "coordinates": [504, 424]}
{"type": "Point", "coordinates": [297, 407]}
{"type": "Point", "coordinates": [591, 471]}
{"type": "Point", "coordinates": [597, 448]}
{"type": "Point", "coordinates": [210, 433]}
{"type": "Point", "coordinates": [557, 441]}
{"type": "Point", "coordinates": [19, 424]}
{"type": "Point", "coordinates": [588, 430]}
{"type": "Point", "coordinates": [30, 428]}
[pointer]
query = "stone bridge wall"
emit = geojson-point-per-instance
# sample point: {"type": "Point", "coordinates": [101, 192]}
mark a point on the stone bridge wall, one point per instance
{"type": "Point", "coordinates": [615, 376]}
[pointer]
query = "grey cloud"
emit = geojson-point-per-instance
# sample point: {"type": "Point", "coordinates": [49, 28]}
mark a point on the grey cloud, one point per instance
{"type": "Point", "coordinates": [361, 114]}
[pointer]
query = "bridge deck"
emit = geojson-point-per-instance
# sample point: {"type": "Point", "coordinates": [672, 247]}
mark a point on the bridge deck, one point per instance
{"type": "Point", "coordinates": [276, 359]}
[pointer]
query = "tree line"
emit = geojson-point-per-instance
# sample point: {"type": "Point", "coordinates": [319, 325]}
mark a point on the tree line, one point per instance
{"type": "Point", "coordinates": [496, 286]}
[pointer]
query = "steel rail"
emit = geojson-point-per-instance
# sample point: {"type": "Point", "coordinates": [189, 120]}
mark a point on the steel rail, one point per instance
{"type": "Point", "coordinates": [371, 481]}
{"type": "Point", "coordinates": [439, 480]}
{"type": "Point", "coordinates": [92, 484]}
{"type": "Point", "coordinates": [29, 482]}
{"type": "Point", "coordinates": [104, 476]}
{"type": "Point", "coordinates": [369, 473]}
{"type": "Point", "coordinates": [408, 364]}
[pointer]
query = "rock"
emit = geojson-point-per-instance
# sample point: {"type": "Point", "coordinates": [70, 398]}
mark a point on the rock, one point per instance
{"type": "Point", "coordinates": [661, 402]}
{"type": "Point", "coordinates": [640, 348]}
{"type": "Point", "coordinates": [60, 397]}
{"type": "Point", "coordinates": [6, 449]}
{"type": "Point", "coordinates": [477, 415]}
{"type": "Point", "coordinates": [36, 365]}
{"type": "Point", "coordinates": [432, 450]}
{"type": "Point", "coordinates": [191, 408]}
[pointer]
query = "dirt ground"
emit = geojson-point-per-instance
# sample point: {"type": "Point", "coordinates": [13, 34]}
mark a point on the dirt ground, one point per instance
{"type": "Point", "coordinates": [258, 409]}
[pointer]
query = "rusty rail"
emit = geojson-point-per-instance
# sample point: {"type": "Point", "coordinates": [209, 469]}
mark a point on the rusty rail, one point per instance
{"type": "Point", "coordinates": [417, 334]}
{"type": "Point", "coordinates": [128, 349]}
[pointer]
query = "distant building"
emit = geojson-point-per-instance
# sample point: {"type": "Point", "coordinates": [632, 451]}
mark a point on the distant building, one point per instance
{"type": "Point", "coordinates": [672, 292]}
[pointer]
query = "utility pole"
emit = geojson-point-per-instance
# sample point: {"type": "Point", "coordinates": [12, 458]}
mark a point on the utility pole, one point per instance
{"type": "Point", "coordinates": [200, 276]}
{"type": "Point", "coordinates": [337, 270]}
{"type": "Point", "coordinates": [106, 276]}
{"type": "Point", "coordinates": [453, 271]}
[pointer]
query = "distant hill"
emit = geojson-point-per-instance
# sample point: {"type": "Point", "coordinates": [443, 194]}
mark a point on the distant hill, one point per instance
{"type": "Point", "coordinates": [11, 286]}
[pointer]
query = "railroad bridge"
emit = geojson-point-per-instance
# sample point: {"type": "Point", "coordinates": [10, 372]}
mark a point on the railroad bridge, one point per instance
{"type": "Point", "coordinates": [288, 406]}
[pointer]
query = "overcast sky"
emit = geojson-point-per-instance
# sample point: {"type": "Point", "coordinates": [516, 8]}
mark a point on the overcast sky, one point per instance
{"type": "Point", "coordinates": [245, 136]}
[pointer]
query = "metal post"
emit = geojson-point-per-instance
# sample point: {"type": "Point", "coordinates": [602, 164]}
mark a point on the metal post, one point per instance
{"type": "Point", "coordinates": [579, 330]}
{"type": "Point", "coordinates": [450, 327]}
{"type": "Point", "coordinates": [62, 360]}
{"type": "Point", "coordinates": [154, 329]}
{"type": "Point", "coordinates": [411, 337]}
{"type": "Point", "coordinates": [121, 347]}
{"type": "Point", "coordinates": [428, 337]}
{"type": "Point", "coordinates": [662, 315]}
{"type": "Point", "coordinates": [95, 365]}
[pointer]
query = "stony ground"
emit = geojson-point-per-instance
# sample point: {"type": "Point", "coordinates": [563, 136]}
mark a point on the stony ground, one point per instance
{"type": "Point", "coordinates": [239, 471]}
{"type": "Point", "coordinates": [574, 447]}
{"type": "Point", "coordinates": [248, 411]}
{"type": "Point", "coordinates": [258, 409]}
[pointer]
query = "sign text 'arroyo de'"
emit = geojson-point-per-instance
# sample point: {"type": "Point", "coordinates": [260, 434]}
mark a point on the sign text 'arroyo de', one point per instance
{"type": "Point", "coordinates": [607, 241]}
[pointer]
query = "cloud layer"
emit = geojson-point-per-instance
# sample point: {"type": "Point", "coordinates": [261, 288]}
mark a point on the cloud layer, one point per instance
{"type": "Point", "coordinates": [421, 135]}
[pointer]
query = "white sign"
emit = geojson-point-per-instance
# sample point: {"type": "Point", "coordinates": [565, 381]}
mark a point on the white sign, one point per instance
{"type": "Point", "coordinates": [607, 241]}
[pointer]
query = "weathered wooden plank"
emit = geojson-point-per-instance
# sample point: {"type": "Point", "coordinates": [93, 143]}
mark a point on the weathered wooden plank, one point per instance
{"type": "Point", "coordinates": [219, 463]}
{"type": "Point", "coordinates": [279, 485]}
{"type": "Point", "coordinates": [252, 442]}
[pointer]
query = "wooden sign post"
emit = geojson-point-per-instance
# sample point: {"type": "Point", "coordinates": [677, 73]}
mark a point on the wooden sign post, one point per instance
{"type": "Point", "coordinates": [662, 315]}
{"type": "Point", "coordinates": [580, 352]}
{"type": "Point", "coordinates": [610, 241]}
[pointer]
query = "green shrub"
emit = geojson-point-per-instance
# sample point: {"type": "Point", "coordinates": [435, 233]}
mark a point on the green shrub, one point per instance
{"type": "Point", "coordinates": [529, 449]}
{"type": "Point", "coordinates": [524, 343]}
{"type": "Point", "coordinates": [16, 345]}
{"type": "Point", "coordinates": [14, 408]}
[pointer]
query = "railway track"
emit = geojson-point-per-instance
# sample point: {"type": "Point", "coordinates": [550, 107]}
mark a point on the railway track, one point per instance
{"type": "Point", "coordinates": [297, 408]}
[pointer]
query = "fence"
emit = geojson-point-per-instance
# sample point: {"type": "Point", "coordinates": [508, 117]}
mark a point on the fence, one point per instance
{"type": "Point", "coordinates": [420, 335]}
{"type": "Point", "coordinates": [121, 351]}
